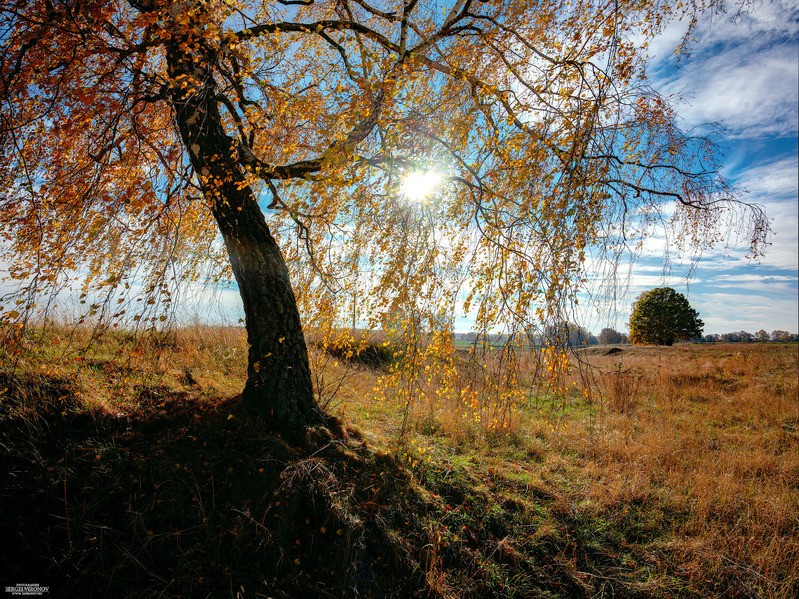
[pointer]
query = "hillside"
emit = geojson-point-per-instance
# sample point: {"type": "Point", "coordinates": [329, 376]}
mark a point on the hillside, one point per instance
{"type": "Point", "coordinates": [143, 476]}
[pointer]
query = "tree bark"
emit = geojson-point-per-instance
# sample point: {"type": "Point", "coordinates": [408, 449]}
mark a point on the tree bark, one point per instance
{"type": "Point", "coordinates": [278, 373]}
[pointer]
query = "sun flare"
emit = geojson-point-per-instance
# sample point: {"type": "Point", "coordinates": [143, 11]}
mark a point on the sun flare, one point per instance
{"type": "Point", "coordinates": [420, 185]}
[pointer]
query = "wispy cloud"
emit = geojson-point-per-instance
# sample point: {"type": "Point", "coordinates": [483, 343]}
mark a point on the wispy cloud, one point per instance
{"type": "Point", "coordinates": [760, 24]}
{"type": "Point", "coordinates": [742, 73]}
{"type": "Point", "coordinates": [752, 312]}
{"type": "Point", "coordinates": [751, 278]}
{"type": "Point", "coordinates": [771, 180]}
{"type": "Point", "coordinates": [751, 93]}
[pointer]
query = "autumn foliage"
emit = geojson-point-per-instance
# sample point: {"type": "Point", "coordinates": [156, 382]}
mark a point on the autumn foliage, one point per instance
{"type": "Point", "coordinates": [662, 316]}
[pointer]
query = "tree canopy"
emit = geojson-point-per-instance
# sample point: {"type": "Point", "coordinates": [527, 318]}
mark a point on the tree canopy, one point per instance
{"type": "Point", "coordinates": [610, 336]}
{"type": "Point", "coordinates": [142, 142]}
{"type": "Point", "coordinates": [662, 316]}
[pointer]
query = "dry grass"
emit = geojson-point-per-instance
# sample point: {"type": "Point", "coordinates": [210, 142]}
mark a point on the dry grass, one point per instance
{"type": "Point", "coordinates": [691, 453]}
{"type": "Point", "coordinates": [676, 475]}
{"type": "Point", "coordinates": [121, 373]}
{"type": "Point", "coordinates": [714, 435]}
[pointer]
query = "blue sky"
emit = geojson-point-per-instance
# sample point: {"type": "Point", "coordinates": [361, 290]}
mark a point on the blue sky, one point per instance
{"type": "Point", "coordinates": [743, 74]}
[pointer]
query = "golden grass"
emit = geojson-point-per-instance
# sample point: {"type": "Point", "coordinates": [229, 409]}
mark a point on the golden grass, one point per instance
{"type": "Point", "coordinates": [120, 373]}
{"type": "Point", "coordinates": [701, 439]}
{"type": "Point", "coordinates": [690, 453]}
{"type": "Point", "coordinates": [711, 433]}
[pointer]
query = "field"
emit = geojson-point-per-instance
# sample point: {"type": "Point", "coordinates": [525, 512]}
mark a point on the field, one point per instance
{"type": "Point", "coordinates": [132, 470]}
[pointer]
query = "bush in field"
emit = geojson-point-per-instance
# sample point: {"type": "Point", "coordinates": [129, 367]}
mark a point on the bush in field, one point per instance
{"type": "Point", "coordinates": [365, 348]}
{"type": "Point", "coordinates": [662, 316]}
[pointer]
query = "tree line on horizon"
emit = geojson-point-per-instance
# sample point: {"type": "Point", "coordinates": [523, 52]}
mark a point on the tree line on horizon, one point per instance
{"type": "Point", "coordinates": [761, 336]}
{"type": "Point", "coordinates": [580, 337]}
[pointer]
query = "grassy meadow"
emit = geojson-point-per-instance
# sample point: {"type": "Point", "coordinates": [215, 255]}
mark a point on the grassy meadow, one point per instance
{"type": "Point", "coordinates": [130, 470]}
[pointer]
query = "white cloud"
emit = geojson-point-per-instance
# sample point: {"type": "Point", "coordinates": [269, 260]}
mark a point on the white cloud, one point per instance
{"type": "Point", "coordinates": [760, 285]}
{"type": "Point", "coordinates": [771, 180]}
{"type": "Point", "coordinates": [751, 93]}
{"type": "Point", "coordinates": [773, 186]}
{"type": "Point", "coordinates": [752, 312]}
{"type": "Point", "coordinates": [784, 251]}
{"type": "Point", "coordinates": [752, 278]}
{"type": "Point", "coordinates": [761, 24]}
{"type": "Point", "coordinates": [742, 73]}
{"type": "Point", "coordinates": [764, 21]}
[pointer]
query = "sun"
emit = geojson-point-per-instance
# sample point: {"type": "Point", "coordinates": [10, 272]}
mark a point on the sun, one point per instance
{"type": "Point", "coordinates": [419, 185]}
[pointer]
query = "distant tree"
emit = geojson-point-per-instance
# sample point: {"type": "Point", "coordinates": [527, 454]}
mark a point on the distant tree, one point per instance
{"type": "Point", "coordinates": [712, 338]}
{"type": "Point", "coordinates": [737, 337]}
{"type": "Point", "coordinates": [466, 337]}
{"type": "Point", "coordinates": [568, 334]}
{"type": "Point", "coordinates": [780, 335]}
{"type": "Point", "coordinates": [762, 336]}
{"type": "Point", "coordinates": [608, 336]}
{"type": "Point", "coordinates": [662, 316]}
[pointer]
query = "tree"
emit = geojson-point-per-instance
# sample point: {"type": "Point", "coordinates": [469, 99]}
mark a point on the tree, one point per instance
{"type": "Point", "coordinates": [144, 141]}
{"type": "Point", "coordinates": [737, 337]}
{"type": "Point", "coordinates": [609, 336]}
{"type": "Point", "coordinates": [662, 316]}
{"type": "Point", "coordinates": [567, 334]}
{"type": "Point", "coordinates": [780, 335]}
{"type": "Point", "coordinates": [762, 336]}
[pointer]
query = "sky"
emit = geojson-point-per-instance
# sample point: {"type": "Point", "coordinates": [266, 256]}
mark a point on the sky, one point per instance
{"type": "Point", "coordinates": [742, 73]}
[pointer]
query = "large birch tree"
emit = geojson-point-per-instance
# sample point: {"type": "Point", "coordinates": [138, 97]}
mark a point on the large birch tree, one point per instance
{"type": "Point", "coordinates": [136, 133]}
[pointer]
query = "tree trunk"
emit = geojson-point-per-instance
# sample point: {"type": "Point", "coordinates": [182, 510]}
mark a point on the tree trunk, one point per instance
{"type": "Point", "coordinates": [278, 373]}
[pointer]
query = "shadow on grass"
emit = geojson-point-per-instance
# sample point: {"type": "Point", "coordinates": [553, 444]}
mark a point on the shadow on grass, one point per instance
{"type": "Point", "coordinates": [192, 498]}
